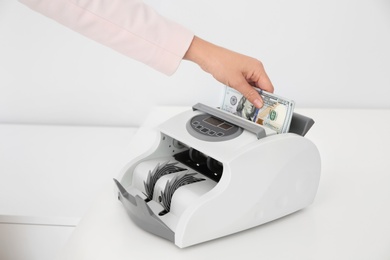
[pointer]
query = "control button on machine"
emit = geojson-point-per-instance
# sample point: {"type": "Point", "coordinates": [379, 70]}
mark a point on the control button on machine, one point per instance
{"type": "Point", "coordinates": [205, 130]}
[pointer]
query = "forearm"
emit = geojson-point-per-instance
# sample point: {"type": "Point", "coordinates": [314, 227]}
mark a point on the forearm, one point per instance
{"type": "Point", "coordinates": [136, 30]}
{"type": "Point", "coordinates": [127, 26]}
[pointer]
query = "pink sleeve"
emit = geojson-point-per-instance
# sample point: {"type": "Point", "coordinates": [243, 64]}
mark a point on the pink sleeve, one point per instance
{"type": "Point", "coordinates": [127, 26]}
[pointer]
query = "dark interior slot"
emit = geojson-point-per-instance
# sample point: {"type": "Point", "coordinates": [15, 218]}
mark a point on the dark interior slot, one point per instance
{"type": "Point", "coordinates": [215, 173]}
{"type": "Point", "coordinates": [214, 165]}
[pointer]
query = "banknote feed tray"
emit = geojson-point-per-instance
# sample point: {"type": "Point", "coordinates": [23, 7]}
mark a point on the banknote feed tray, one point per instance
{"type": "Point", "coordinates": [195, 185]}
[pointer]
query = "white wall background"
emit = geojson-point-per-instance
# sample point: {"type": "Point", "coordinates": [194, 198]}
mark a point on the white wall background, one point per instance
{"type": "Point", "coordinates": [331, 54]}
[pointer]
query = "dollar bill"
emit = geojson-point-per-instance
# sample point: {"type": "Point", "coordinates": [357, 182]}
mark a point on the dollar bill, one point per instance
{"type": "Point", "coordinates": [276, 113]}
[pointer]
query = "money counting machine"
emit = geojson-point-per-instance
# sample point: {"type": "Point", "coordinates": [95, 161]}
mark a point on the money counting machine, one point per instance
{"type": "Point", "coordinates": [210, 173]}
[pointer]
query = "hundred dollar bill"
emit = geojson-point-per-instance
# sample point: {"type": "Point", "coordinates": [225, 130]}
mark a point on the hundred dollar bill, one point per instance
{"type": "Point", "coordinates": [276, 113]}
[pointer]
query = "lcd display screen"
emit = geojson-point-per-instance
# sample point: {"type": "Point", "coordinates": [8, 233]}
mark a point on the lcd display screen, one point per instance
{"type": "Point", "coordinates": [213, 121]}
{"type": "Point", "coordinates": [225, 126]}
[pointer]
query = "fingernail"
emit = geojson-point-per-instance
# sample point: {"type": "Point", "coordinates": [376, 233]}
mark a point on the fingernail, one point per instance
{"type": "Point", "coordinates": [258, 103]}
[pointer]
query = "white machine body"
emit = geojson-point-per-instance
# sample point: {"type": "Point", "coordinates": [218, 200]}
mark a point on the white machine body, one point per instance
{"type": "Point", "coordinates": [256, 180]}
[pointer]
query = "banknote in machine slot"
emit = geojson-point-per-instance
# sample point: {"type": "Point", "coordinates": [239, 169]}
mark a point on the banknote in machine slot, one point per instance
{"type": "Point", "coordinates": [275, 114]}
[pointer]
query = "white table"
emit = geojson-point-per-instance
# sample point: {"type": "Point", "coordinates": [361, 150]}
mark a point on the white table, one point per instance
{"type": "Point", "coordinates": [349, 219]}
{"type": "Point", "coordinates": [49, 175]}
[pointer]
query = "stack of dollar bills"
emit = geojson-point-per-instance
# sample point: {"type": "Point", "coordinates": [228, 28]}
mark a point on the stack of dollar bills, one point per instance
{"type": "Point", "coordinates": [276, 113]}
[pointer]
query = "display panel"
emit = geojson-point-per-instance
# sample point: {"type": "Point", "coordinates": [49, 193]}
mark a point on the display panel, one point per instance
{"type": "Point", "coordinates": [212, 129]}
{"type": "Point", "coordinates": [213, 121]}
{"type": "Point", "coordinates": [225, 126]}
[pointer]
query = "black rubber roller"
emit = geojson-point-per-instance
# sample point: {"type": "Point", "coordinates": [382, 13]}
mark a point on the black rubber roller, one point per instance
{"type": "Point", "coordinates": [197, 156]}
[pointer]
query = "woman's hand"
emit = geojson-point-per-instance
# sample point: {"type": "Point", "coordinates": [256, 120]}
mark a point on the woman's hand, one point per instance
{"type": "Point", "coordinates": [230, 68]}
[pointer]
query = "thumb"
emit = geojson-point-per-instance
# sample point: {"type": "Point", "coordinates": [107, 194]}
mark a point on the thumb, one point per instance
{"type": "Point", "coordinates": [249, 93]}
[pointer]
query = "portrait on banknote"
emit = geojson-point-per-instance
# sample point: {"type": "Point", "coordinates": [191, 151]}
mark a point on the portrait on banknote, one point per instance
{"type": "Point", "coordinates": [245, 109]}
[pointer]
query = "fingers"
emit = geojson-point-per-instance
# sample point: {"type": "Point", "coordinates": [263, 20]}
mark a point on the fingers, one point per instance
{"type": "Point", "coordinates": [265, 83]}
{"type": "Point", "coordinates": [249, 92]}
{"type": "Point", "coordinates": [260, 77]}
